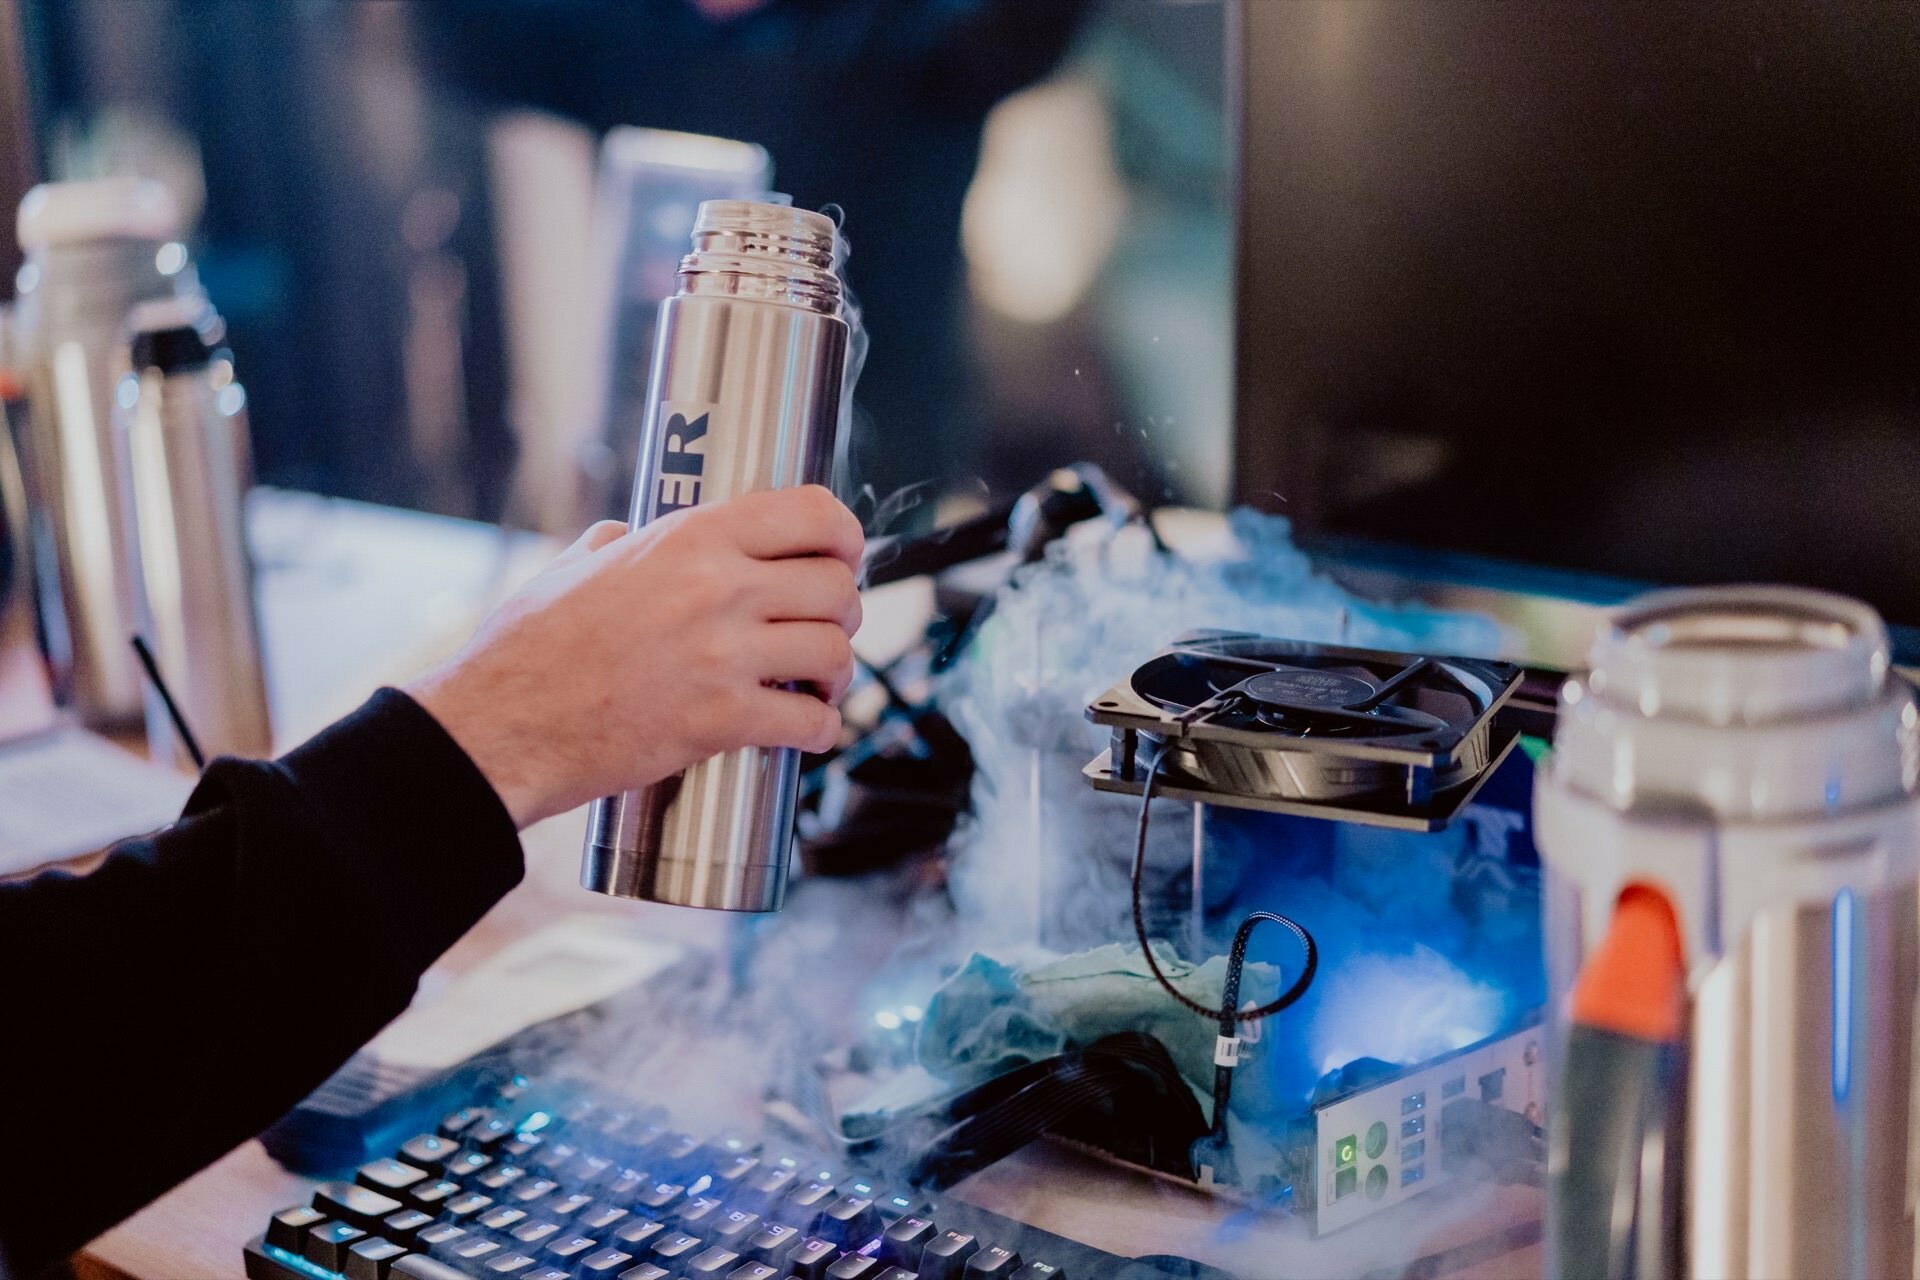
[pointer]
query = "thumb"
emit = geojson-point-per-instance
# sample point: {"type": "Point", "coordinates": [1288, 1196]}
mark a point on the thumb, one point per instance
{"type": "Point", "coordinates": [598, 535]}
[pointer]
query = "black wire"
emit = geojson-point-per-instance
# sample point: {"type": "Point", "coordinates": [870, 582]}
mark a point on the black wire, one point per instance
{"type": "Point", "coordinates": [1228, 1017]}
{"type": "Point", "coordinates": [166, 696]}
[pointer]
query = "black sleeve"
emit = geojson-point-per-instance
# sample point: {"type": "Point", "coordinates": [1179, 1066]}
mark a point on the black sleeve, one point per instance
{"type": "Point", "coordinates": [178, 999]}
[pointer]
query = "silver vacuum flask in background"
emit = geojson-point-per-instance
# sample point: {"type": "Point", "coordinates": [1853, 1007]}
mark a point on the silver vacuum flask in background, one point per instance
{"type": "Point", "coordinates": [748, 364]}
{"type": "Point", "coordinates": [183, 444]}
{"type": "Point", "coordinates": [94, 250]}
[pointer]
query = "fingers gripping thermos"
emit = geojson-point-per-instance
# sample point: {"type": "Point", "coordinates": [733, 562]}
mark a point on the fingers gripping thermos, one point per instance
{"type": "Point", "coordinates": [749, 362]}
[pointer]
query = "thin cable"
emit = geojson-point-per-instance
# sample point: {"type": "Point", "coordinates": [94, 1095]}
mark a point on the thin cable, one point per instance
{"type": "Point", "coordinates": [166, 696]}
{"type": "Point", "coordinates": [1228, 1017]}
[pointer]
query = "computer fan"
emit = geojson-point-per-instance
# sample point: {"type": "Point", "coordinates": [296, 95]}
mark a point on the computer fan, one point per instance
{"type": "Point", "coordinates": [1361, 735]}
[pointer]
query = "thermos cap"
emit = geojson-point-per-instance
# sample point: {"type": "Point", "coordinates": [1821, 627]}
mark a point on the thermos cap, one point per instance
{"type": "Point", "coordinates": [1741, 655]}
{"type": "Point", "coordinates": [767, 252]}
{"type": "Point", "coordinates": [124, 208]}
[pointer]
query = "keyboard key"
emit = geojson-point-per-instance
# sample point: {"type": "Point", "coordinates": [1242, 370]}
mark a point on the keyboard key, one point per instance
{"type": "Point", "coordinates": [856, 1266]}
{"type": "Point", "coordinates": [404, 1226]}
{"type": "Point", "coordinates": [683, 1153]}
{"type": "Point", "coordinates": [602, 1262]}
{"type": "Point", "coordinates": [522, 1146]}
{"type": "Point", "coordinates": [327, 1245]}
{"type": "Point", "coordinates": [903, 1205]}
{"type": "Point", "coordinates": [638, 1234]}
{"type": "Point", "coordinates": [660, 1196]}
{"type": "Point", "coordinates": [898, 1273]}
{"type": "Point", "coordinates": [590, 1171]}
{"type": "Point", "coordinates": [810, 1259]}
{"type": "Point", "coordinates": [288, 1228]}
{"type": "Point", "coordinates": [564, 1207]}
{"type": "Point", "coordinates": [354, 1204]}
{"type": "Point", "coordinates": [371, 1259]}
{"type": "Point", "coordinates": [428, 1151]}
{"type": "Point", "coordinates": [766, 1191]}
{"type": "Point", "coordinates": [733, 1173]}
{"type": "Point", "coordinates": [564, 1249]}
{"type": "Point", "coordinates": [695, 1214]}
{"type": "Point", "coordinates": [467, 1163]}
{"type": "Point", "coordinates": [557, 1156]}
{"type": "Point", "coordinates": [1039, 1271]}
{"type": "Point", "coordinates": [671, 1247]}
{"type": "Point", "coordinates": [625, 1186]}
{"type": "Point", "coordinates": [440, 1239]}
{"type": "Point", "coordinates": [601, 1218]}
{"type": "Point", "coordinates": [547, 1273]}
{"type": "Point", "coordinates": [713, 1263]}
{"type": "Point", "coordinates": [465, 1206]}
{"type": "Point", "coordinates": [501, 1218]}
{"type": "Point", "coordinates": [418, 1266]}
{"type": "Point", "coordinates": [501, 1176]}
{"type": "Point", "coordinates": [458, 1122]}
{"type": "Point", "coordinates": [771, 1243]}
{"type": "Point", "coordinates": [511, 1264]}
{"type": "Point", "coordinates": [490, 1134]}
{"type": "Point", "coordinates": [475, 1249]}
{"type": "Point", "coordinates": [849, 1221]}
{"type": "Point", "coordinates": [993, 1261]}
{"type": "Point", "coordinates": [733, 1229]}
{"type": "Point", "coordinates": [753, 1271]}
{"type": "Point", "coordinates": [945, 1257]}
{"type": "Point", "coordinates": [808, 1198]}
{"type": "Point", "coordinates": [527, 1190]}
{"type": "Point", "coordinates": [389, 1177]}
{"type": "Point", "coordinates": [647, 1271]}
{"type": "Point", "coordinates": [431, 1195]}
{"type": "Point", "coordinates": [532, 1233]}
{"type": "Point", "coordinates": [903, 1242]}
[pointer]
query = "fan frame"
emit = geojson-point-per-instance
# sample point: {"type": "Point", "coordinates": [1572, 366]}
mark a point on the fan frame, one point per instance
{"type": "Point", "coordinates": [1412, 762]}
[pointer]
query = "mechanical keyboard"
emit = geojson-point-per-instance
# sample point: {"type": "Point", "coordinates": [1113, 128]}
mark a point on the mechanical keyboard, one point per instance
{"type": "Point", "coordinates": [537, 1182]}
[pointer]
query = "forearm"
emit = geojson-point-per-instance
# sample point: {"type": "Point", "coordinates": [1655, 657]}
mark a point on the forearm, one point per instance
{"type": "Point", "coordinates": [225, 965]}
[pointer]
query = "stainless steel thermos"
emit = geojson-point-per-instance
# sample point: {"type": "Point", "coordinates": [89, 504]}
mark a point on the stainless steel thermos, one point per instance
{"type": "Point", "coordinates": [94, 250]}
{"type": "Point", "coordinates": [1731, 829]}
{"type": "Point", "coordinates": [749, 361]}
{"type": "Point", "coordinates": [183, 450]}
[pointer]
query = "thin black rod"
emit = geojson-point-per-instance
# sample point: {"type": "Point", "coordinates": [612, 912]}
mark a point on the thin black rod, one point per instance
{"type": "Point", "coordinates": [173, 709]}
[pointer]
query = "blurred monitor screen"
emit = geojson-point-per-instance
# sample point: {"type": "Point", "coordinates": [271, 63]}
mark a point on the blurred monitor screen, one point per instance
{"type": "Point", "coordinates": [1627, 290]}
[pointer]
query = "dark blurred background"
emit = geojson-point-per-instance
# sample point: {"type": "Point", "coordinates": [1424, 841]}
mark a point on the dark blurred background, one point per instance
{"type": "Point", "coordinates": [1622, 290]}
{"type": "Point", "coordinates": [393, 202]}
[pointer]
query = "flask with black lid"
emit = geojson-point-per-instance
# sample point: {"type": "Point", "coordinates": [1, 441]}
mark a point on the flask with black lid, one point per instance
{"type": "Point", "coordinates": [183, 444]}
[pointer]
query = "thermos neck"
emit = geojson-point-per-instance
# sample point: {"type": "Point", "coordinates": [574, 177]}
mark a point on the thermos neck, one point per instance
{"type": "Point", "coordinates": [768, 252]}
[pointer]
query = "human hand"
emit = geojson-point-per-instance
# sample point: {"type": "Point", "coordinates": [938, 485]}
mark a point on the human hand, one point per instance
{"type": "Point", "coordinates": [636, 654]}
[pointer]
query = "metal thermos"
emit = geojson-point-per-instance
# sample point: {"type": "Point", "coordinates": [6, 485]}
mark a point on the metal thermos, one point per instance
{"type": "Point", "coordinates": [748, 364]}
{"type": "Point", "coordinates": [184, 449]}
{"type": "Point", "coordinates": [1731, 830]}
{"type": "Point", "coordinates": [94, 250]}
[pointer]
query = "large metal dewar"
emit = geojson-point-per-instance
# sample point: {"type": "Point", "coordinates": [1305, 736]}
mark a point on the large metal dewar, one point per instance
{"type": "Point", "coordinates": [748, 367]}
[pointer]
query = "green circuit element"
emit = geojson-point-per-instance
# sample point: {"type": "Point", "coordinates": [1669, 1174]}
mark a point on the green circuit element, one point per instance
{"type": "Point", "coordinates": [1346, 1151]}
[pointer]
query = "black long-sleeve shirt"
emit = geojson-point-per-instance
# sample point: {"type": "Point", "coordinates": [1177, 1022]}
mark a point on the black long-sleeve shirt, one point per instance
{"type": "Point", "coordinates": [178, 999]}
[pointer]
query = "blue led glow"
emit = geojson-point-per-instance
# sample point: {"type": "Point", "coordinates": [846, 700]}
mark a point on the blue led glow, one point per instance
{"type": "Point", "coordinates": [536, 1122]}
{"type": "Point", "coordinates": [300, 1264]}
{"type": "Point", "coordinates": [1842, 995]}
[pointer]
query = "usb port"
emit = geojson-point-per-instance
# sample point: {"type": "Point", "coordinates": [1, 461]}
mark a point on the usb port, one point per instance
{"type": "Point", "coordinates": [1410, 1176]}
{"type": "Point", "coordinates": [1413, 1128]}
{"type": "Point", "coordinates": [1453, 1088]}
{"type": "Point", "coordinates": [1413, 1102]}
{"type": "Point", "coordinates": [1493, 1084]}
{"type": "Point", "coordinates": [1412, 1151]}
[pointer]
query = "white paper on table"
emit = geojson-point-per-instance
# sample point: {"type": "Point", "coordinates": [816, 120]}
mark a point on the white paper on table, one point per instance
{"type": "Point", "coordinates": [67, 792]}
